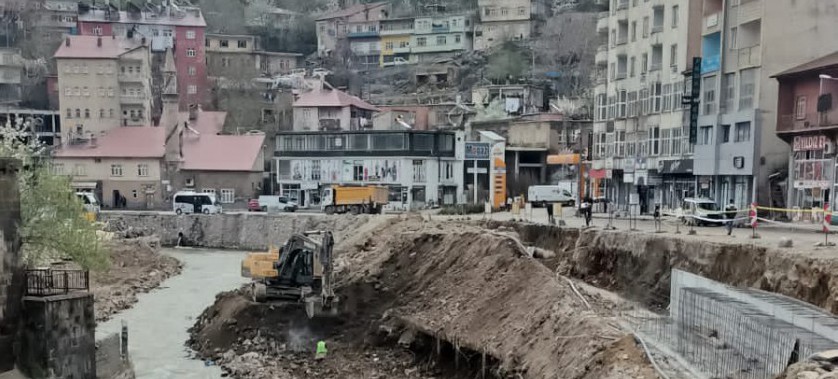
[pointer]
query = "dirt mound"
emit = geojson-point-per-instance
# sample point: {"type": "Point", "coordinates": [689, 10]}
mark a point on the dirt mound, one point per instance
{"type": "Point", "coordinates": [136, 267]}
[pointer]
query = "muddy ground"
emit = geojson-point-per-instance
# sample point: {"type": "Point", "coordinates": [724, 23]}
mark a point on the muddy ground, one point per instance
{"type": "Point", "coordinates": [136, 266]}
{"type": "Point", "coordinates": [427, 299]}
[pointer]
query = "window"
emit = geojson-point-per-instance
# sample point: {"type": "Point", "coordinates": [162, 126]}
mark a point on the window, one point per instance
{"type": "Point", "coordinates": [97, 30]}
{"type": "Point", "coordinates": [110, 113]}
{"type": "Point", "coordinates": [85, 91]}
{"type": "Point", "coordinates": [86, 112]}
{"type": "Point", "coordinates": [315, 170]}
{"type": "Point", "coordinates": [632, 104]}
{"type": "Point", "coordinates": [631, 66]}
{"type": "Point", "coordinates": [644, 102]}
{"type": "Point", "coordinates": [192, 89]}
{"type": "Point", "coordinates": [705, 134]}
{"type": "Point", "coordinates": [191, 70]}
{"type": "Point", "coordinates": [78, 113]}
{"type": "Point", "coordinates": [421, 41]}
{"type": "Point", "coordinates": [621, 140]}
{"type": "Point", "coordinates": [725, 134]}
{"type": "Point", "coordinates": [441, 40]}
{"type": "Point", "coordinates": [79, 170]}
{"type": "Point", "coordinates": [142, 170]}
{"type": "Point", "coordinates": [675, 10]}
{"type": "Point", "coordinates": [69, 113]}
{"type": "Point", "coordinates": [676, 141]}
{"type": "Point", "coordinates": [656, 97]}
{"type": "Point", "coordinates": [458, 38]}
{"type": "Point", "coordinates": [228, 196]}
{"type": "Point", "coordinates": [621, 104]}
{"type": "Point", "coordinates": [709, 100]}
{"type": "Point", "coordinates": [101, 113]}
{"type": "Point", "coordinates": [242, 44]}
{"type": "Point", "coordinates": [729, 91]}
{"type": "Point", "coordinates": [190, 34]}
{"type": "Point", "coordinates": [58, 169]}
{"type": "Point", "coordinates": [731, 42]}
{"type": "Point", "coordinates": [224, 43]}
{"type": "Point", "coordinates": [673, 56]}
{"type": "Point", "coordinates": [68, 91]}
{"type": "Point", "coordinates": [743, 132]}
{"type": "Point", "coordinates": [190, 52]}
{"type": "Point", "coordinates": [665, 142]}
{"type": "Point", "coordinates": [225, 62]}
{"type": "Point", "coordinates": [645, 26]}
{"type": "Point", "coordinates": [800, 108]}
{"type": "Point", "coordinates": [633, 31]}
{"type": "Point", "coordinates": [101, 91]}
{"type": "Point", "coordinates": [419, 171]}
{"type": "Point", "coordinates": [77, 91]}
{"type": "Point", "coordinates": [667, 99]}
{"type": "Point", "coordinates": [116, 170]}
{"type": "Point", "coordinates": [208, 190]}
{"type": "Point", "coordinates": [747, 88]}
{"type": "Point", "coordinates": [110, 91]}
{"type": "Point", "coordinates": [654, 140]}
{"type": "Point", "coordinates": [644, 63]}
{"type": "Point", "coordinates": [602, 108]}
{"type": "Point", "coordinates": [358, 171]}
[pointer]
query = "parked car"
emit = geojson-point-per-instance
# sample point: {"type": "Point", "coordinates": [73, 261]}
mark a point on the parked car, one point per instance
{"type": "Point", "coordinates": [701, 211]}
{"type": "Point", "coordinates": [280, 203]}
{"type": "Point", "coordinates": [542, 195]}
{"type": "Point", "coordinates": [397, 61]}
{"type": "Point", "coordinates": [253, 205]}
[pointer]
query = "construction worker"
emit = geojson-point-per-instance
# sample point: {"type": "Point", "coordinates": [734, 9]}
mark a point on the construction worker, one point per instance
{"type": "Point", "coordinates": [550, 219]}
{"type": "Point", "coordinates": [321, 351]}
{"type": "Point", "coordinates": [730, 215]}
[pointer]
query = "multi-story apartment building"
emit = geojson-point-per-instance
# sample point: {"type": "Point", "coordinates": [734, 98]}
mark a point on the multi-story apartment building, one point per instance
{"type": "Point", "coordinates": [641, 147]}
{"type": "Point", "coordinates": [395, 39]}
{"type": "Point", "coordinates": [364, 41]}
{"type": "Point", "coordinates": [438, 36]}
{"type": "Point", "coordinates": [181, 29]}
{"type": "Point", "coordinates": [508, 20]}
{"type": "Point", "coordinates": [331, 109]}
{"type": "Point", "coordinates": [241, 57]}
{"type": "Point", "coordinates": [332, 28]}
{"type": "Point", "coordinates": [418, 166]}
{"type": "Point", "coordinates": [745, 42]}
{"type": "Point", "coordinates": [103, 83]}
{"type": "Point", "coordinates": [58, 17]}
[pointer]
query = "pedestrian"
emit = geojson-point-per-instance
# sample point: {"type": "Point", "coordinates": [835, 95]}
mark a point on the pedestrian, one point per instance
{"type": "Point", "coordinates": [550, 219]}
{"type": "Point", "coordinates": [730, 216]}
{"type": "Point", "coordinates": [320, 351]}
{"type": "Point", "coordinates": [587, 210]}
{"type": "Point", "coordinates": [657, 216]}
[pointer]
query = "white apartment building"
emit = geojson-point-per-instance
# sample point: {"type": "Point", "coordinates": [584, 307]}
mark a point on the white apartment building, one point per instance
{"type": "Point", "coordinates": [103, 83]}
{"type": "Point", "coordinates": [642, 155]}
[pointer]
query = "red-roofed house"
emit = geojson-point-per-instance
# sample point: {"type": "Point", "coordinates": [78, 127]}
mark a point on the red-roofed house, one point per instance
{"type": "Point", "coordinates": [203, 159]}
{"type": "Point", "coordinates": [329, 109]}
{"type": "Point", "coordinates": [123, 166]}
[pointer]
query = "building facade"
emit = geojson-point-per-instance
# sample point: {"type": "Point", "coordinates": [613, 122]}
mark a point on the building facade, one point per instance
{"type": "Point", "coordinates": [164, 28]}
{"type": "Point", "coordinates": [418, 167]}
{"type": "Point", "coordinates": [437, 37]}
{"type": "Point", "coordinates": [11, 70]}
{"type": "Point", "coordinates": [240, 58]}
{"type": "Point", "coordinates": [333, 28]}
{"type": "Point", "coordinates": [640, 139]}
{"type": "Point", "coordinates": [395, 39]}
{"type": "Point", "coordinates": [738, 155]}
{"type": "Point", "coordinates": [508, 20]}
{"type": "Point", "coordinates": [331, 109]}
{"type": "Point", "coordinates": [103, 83]}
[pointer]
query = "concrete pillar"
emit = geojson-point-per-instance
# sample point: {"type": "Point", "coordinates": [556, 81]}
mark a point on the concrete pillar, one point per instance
{"type": "Point", "coordinates": [11, 270]}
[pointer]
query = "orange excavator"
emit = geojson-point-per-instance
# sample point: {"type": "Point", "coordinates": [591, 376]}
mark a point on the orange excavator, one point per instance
{"type": "Point", "coordinates": [299, 271]}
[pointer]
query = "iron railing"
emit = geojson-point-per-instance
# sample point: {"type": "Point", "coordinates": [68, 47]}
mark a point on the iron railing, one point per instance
{"type": "Point", "coordinates": [48, 282]}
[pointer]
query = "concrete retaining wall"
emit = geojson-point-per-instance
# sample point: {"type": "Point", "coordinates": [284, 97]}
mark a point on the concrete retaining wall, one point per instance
{"type": "Point", "coordinates": [244, 231]}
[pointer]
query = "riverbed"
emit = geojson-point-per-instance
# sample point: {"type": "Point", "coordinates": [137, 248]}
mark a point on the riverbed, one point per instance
{"type": "Point", "coordinates": [158, 323]}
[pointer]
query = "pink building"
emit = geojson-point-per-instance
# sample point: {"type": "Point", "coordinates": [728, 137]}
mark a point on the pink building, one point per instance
{"type": "Point", "coordinates": [180, 29]}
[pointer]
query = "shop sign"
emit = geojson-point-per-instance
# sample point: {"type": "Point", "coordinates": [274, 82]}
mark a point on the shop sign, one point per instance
{"type": "Point", "coordinates": [478, 151]}
{"type": "Point", "coordinates": [609, 174]}
{"type": "Point", "coordinates": [739, 162]}
{"type": "Point", "coordinates": [628, 177]}
{"type": "Point", "coordinates": [806, 143]}
{"type": "Point", "coordinates": [677, 166]}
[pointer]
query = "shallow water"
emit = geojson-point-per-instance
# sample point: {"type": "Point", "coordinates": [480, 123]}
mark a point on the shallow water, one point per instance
{"type": "Point", "coordinates": [158, 323]}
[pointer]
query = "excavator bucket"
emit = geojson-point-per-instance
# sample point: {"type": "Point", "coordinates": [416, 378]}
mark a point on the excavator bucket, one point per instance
{"type": "Point", "coordinates": [317, 309]}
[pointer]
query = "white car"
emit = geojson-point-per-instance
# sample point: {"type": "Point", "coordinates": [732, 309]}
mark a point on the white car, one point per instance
{"type": "Point", "coordinates": [397, 61]}
{"type": "Point", "coordinates": [282, 203]}
{"type": "Point", "coordinates": [320, 72]}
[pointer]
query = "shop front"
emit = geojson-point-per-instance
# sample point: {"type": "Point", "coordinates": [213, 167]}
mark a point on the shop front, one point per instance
{"type": "Point", "coordinates": [677, 182]}
{"type": "Point", "coordinates": [812, 170]}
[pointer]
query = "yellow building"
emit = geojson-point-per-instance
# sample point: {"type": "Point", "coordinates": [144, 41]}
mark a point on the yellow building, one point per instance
{"type": "Point", "coordinates": [395, 41]}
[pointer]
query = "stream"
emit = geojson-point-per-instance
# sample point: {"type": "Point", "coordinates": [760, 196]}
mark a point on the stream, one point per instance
{"type": "Point", "coordinates": [158, 323]}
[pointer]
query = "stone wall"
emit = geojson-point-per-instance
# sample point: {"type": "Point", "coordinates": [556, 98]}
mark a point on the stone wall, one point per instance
{"type": "Point", "coordinates": [243, 231]}
{"type": "Point", "coordinates": [57, 338]}
{"type": "Point", "coordinates": [11, 275]}
{"type": "Point", "coordinates": [112, 360]}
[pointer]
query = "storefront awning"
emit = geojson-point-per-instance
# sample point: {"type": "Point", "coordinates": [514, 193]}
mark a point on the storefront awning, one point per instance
{"type": "Point", "coordinates": [83, 185]}
{"type": "Point", "coordinates": [563, 159]}
{"type": "Point", "coordinates": [598, 174]}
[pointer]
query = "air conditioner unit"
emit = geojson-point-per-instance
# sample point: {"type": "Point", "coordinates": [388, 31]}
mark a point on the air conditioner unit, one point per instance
{"type": "Point", "coordinates": [829, 147]}
{"type": "Point", "coordinates": [190, 182]}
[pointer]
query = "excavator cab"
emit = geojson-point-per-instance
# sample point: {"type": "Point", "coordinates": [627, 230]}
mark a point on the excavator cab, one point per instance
{"type": "Point", "coordinates": [302, 273]}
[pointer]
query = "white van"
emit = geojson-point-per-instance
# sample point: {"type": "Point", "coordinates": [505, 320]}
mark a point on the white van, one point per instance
{"type": "Point", "coordinates": [277, 203]}
{"type": "Point", "coordinates": [542, 195]}
{"type": "Point", "coordinates": [194, 202]}
{"type": "Point", "coordinates": [89, 201]}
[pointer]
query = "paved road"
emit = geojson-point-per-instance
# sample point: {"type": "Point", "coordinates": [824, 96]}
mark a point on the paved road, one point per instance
{"type": "Point", "coordinates": [804, 236]}
{"type": "Point", "coordinates": [157, 324]}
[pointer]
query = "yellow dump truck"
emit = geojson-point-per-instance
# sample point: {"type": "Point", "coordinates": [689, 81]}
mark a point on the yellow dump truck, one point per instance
{"type": "Point", "coordinates": [342, 199]}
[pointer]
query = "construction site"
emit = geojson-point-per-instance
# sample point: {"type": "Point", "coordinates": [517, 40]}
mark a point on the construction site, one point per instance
{"type": "Point", "coordinates": [428, 296]}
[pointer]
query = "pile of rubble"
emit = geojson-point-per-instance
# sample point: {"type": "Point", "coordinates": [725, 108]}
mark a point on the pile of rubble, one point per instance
{"type": "Point", "coordinates": [822, 365]}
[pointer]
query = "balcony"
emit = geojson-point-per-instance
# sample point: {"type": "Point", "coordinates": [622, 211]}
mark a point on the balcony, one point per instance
{"type": "Point", "coordinates": [602, 55]}
{"type": "Point", "coordinates": [362, 34]}
{"type": "Point", "coordinates": [712, 23]}
{"type": "Point", "coordinates": [657, 28]}
{"type": "Point", "coordinates": [48, 282]}
{"type": "Point", "coordinates": [401, 50]}
{"type": "Point", "coordinates": [602, 23]}
{"type": "Point", "coordinates": [133, 100]}
{"type": "Point", "coordinates": [750, 56]}
{"type": "Point", "coordinates": [131, 78]}
{"type": "Point", "coordinates": [810, 122]}
{"type": "Point", "coordinates": [621, 75]}
{"type": "Point", "coordinates": [440, 28]}
{"type": "Point", "coordinates": [749, 10]}
{"type": "Point", "coordinates": [622, 4]}
{"type": "Point", "coordinates": [396, 31]}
